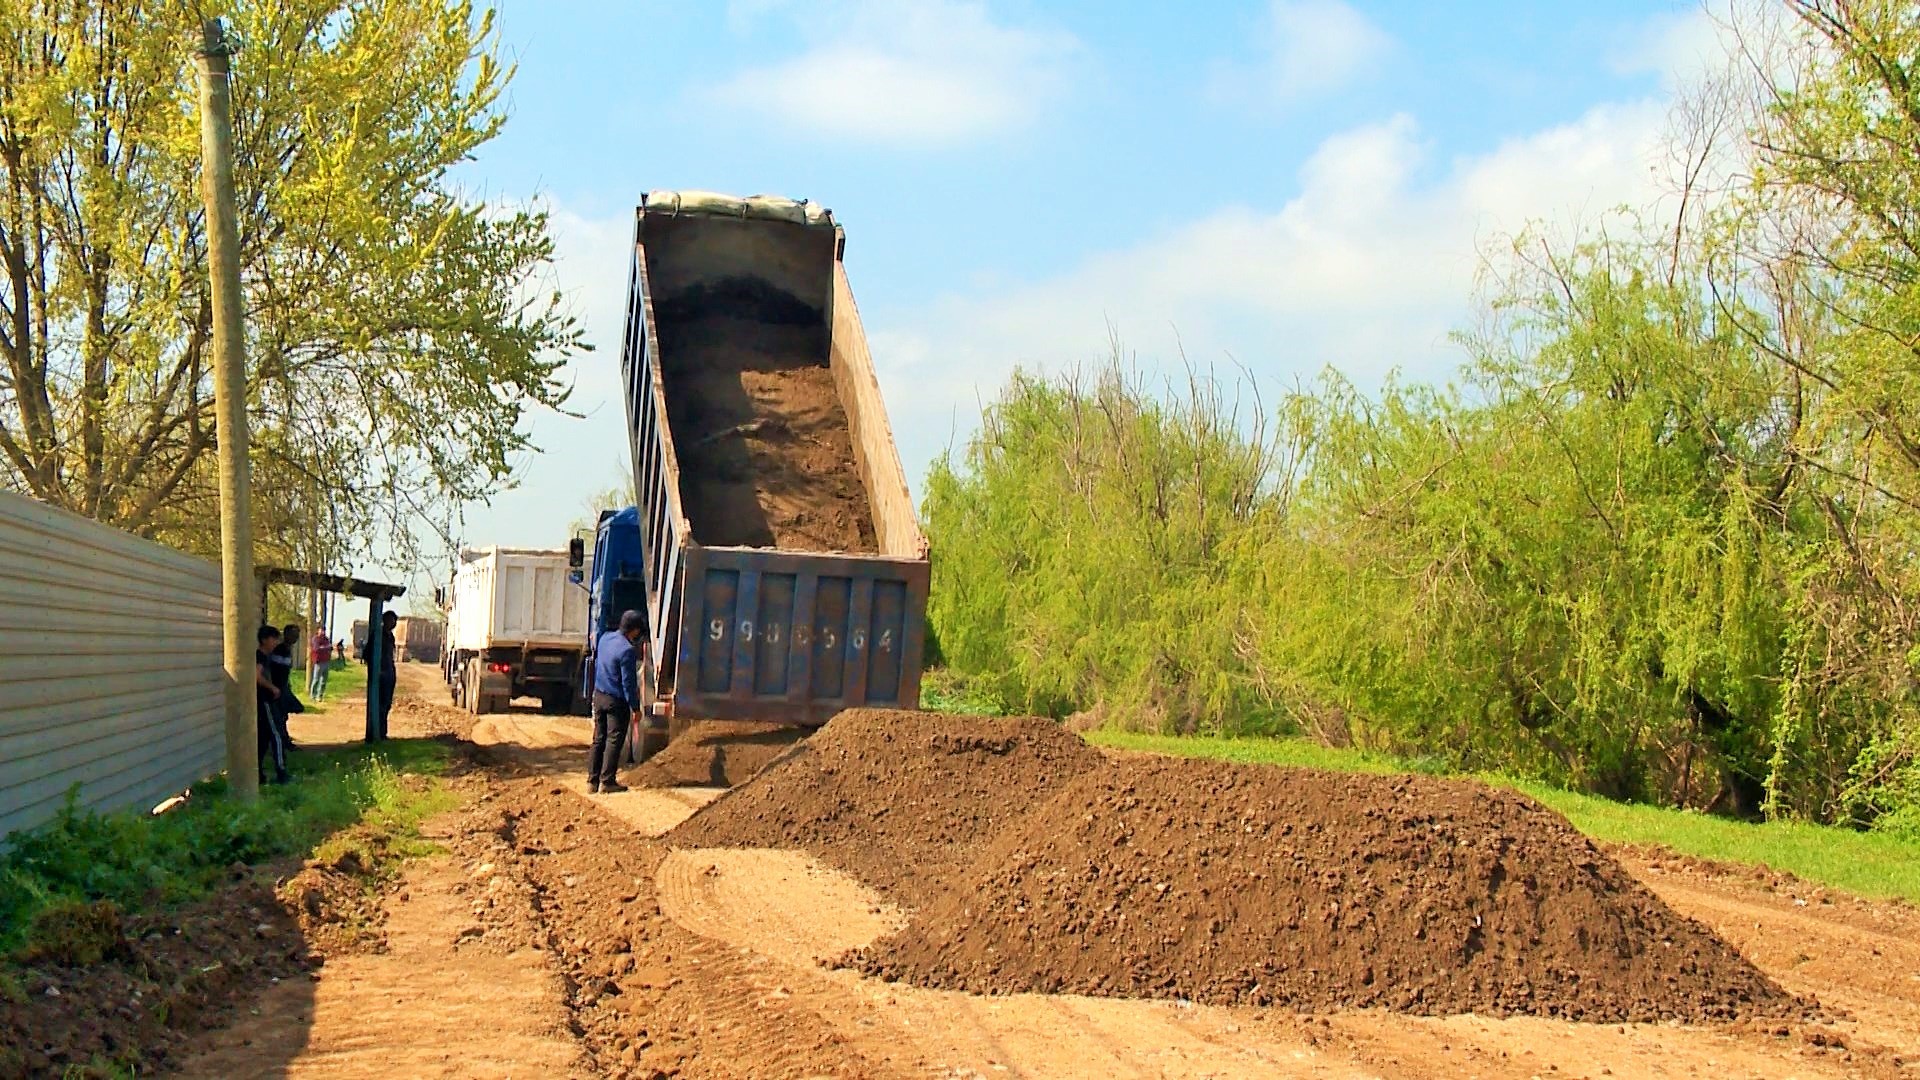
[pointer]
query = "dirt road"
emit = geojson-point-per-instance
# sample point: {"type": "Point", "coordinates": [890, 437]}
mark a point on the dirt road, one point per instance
{"type": "Point", "coordinates": [559, 936]}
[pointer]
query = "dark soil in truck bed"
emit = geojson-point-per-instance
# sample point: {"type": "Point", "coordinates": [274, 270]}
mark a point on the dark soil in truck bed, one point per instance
{"type": "Point", "coordinates": [766, 454]}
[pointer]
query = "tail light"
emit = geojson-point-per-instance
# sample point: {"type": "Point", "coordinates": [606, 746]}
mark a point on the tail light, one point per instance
{"type": "Point", "coordinates": [499, 669]}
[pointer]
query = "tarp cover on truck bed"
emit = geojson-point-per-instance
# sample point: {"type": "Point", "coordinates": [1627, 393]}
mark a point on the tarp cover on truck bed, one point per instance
{"type": "Point", "coordinates": [770, 207]}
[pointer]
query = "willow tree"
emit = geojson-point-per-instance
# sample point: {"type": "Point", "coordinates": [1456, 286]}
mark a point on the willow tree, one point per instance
{"type": "Point", "coordinates": [395, 341]}
{"type": "Point", "coordinates": [1835, 164]}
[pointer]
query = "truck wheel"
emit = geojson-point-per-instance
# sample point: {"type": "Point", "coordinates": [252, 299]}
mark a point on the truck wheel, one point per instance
{"type": "Point", "coordinates": [652, 741]}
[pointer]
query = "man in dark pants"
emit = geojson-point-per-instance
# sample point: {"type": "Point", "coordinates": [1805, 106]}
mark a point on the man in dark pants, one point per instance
{"type": "Point", "coordinates": [389, 668]}
{"type": "Point", "coordinates": [616, 693]}
{"type": "Point", "coordinates": [266, 731]}
{"type": "Point", "coordinates": [281, 671]}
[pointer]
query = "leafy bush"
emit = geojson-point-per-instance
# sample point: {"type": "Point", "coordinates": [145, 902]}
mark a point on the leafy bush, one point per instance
{"type": "Point", "coordinates": [1595, 564]}
{"type": "Point", "coordinates": [134, 861]}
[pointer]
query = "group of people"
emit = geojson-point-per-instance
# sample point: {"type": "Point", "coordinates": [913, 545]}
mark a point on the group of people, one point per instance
{"type": "Point", "coordinates": [616, 691]}
{"type": "Point", "coordinates": [273, 690]}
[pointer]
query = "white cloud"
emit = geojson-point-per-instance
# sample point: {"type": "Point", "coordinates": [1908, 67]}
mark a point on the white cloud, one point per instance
{"type": "Point", "coordinates": [1312, 47]}
{"type": "Point", "coordinates": [1364, 270]}
{"type": "Point", "coordinates": [924, 72]}
{"type": "Point", "coordinates": [1674, 45]}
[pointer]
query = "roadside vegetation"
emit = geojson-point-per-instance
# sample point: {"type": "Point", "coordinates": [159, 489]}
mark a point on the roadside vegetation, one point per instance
{"type": "Point", "coordinates": [1868, 864]}
{"type": "Point", "coordinates": [86, 869]}
{"type": "Point", "coordinates": [389, 306]}
{"type": "Point", "coordinates": [1653, 543]}
{"type": "Point", "coordinates": [349, 681]}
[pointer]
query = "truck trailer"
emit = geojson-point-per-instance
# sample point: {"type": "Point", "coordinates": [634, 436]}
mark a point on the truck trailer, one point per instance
{"type": "Point", "coordinates": [775, 549]}
{"type": "Point", "coordinates": [516, 627]}
{"type": "Point", "coordinates": [417, 639]}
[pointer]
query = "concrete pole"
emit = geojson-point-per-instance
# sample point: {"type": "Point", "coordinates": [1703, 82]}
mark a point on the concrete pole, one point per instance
{"type": "Point", "coordinates": [230, 409]}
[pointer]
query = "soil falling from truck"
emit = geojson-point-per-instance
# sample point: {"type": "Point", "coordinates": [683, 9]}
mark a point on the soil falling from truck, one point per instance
{"type": "Point", "coordinates": [766, 452]}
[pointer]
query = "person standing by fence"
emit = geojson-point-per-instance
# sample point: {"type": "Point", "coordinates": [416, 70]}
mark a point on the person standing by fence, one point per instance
{"type": "Point", "coordinates": [319, 661]}
{"type": "Point", "coordinates": [266, 731]}
{"type": "Point", "coordinates": [281, 670]}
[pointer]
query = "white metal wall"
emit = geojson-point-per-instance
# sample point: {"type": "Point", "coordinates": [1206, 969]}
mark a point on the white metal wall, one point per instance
{"type": "Point", "coordinates": [110, 666]}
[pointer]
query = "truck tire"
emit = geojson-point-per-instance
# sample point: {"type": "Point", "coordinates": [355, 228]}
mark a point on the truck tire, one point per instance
{"type": "Point", "coordinates": [652, 740]}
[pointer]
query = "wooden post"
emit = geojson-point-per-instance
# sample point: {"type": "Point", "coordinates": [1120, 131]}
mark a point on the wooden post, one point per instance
{"type": "Point", "coordinates": [230, 409]}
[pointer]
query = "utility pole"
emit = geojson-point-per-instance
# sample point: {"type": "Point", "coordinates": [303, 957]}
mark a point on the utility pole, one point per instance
{"type": "Point", "coordinates": [230, 409]}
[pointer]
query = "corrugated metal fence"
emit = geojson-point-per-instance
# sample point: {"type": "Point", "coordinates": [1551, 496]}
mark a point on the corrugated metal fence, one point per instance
{"type": "Point", "coordinates": [110, 666]}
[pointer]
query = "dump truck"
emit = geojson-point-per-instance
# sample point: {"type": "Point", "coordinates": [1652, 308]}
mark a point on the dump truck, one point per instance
{"type": "Point", "coordinates": [418, 639]}
{"type": "Point", "coordinates": [774, 548]}
{"type": "Point", "coordinates": [516, 627]}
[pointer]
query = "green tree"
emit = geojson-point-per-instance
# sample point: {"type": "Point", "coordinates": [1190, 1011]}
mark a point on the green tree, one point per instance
{"type": "Point", "coordinates": [615, 496]}
{"type": "Point", "coordinates": [1835, 166]}
{"type": "Point", "coordinates": [394, 340]}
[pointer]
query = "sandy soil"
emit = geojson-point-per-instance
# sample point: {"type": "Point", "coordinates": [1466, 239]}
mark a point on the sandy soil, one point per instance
{"type": "Point", "coordinates": [627, 958]}
{"type": "Point", "coordinates": [422, 1008]}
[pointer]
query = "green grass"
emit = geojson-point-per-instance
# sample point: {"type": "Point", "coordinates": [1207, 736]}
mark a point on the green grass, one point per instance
{"type": "Point", "coordinates": [1865, 864]}
{"type": "Point", "coordinates": [136, 862]}
{"type": "Point", "coordinates": [342, 683]}
{"type": "Point", "coordinates": [943, 691]}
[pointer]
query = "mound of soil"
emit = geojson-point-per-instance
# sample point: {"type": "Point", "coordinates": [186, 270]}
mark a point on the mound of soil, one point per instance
{"type": "Point", "coordinates": [765, 449]}
{"type": "Point", "coordinates": [1235, 884]}
{"type": "Point", "coordinates": [901, 800]}
{"type": "Point", "coordinates": [158, 981]}
{"type": "Point", "coordinates": [715, 754]}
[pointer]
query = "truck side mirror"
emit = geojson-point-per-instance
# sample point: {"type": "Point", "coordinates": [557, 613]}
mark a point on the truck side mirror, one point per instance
{"type": "Point", "coordinates": [439, 597]}
{"type": "Point", "coordinates": [576, 553]}
{"type": "Point", "coordinates": [576, 577]}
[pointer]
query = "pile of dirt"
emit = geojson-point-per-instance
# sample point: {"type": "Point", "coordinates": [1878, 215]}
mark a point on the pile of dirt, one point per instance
{"type": "Point", "coordinates": [1233, 884]}
{"type": "Point", "coordinates": [901, 800]}
{"type": "Point", "coordinates": [128, 1002]}
{"type": "Point", "coordinates": [763, 441]}
{"type": "Point", "coordinates": [715, 754]}
{"type": "Point", "coordinates": [337, 905]}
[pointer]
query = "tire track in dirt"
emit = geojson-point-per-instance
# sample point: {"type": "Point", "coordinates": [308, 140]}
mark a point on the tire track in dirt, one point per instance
{"type": "Point", "coordinates": [409, 1011]}
{"type": "Point", "coordinates": [648, 998]}
{"type": "Point", "coordinates": [787, 907]}
{"type": "Point", "coordinates": [1861, 959]}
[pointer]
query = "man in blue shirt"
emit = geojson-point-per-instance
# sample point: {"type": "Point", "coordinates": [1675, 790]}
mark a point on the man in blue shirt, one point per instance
{"type": "Point", "coordinates": [616, 694]}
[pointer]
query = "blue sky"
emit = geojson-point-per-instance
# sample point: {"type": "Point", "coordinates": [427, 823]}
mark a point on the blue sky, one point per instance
{"type": "Point", "coordinates": [1292, 184]}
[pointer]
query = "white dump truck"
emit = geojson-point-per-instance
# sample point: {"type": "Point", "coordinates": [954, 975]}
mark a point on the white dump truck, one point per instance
{"type": "Point", "coordinates": [516, 627]}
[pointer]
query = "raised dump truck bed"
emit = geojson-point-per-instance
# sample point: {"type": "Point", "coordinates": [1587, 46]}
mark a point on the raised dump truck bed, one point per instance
{"type": "Point", "coordinates": [783, 568]}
